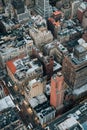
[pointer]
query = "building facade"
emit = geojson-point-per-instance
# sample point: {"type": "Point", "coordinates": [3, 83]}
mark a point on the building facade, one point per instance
{"type": "Point", "coordinates": [74, 68]}
{"type": "Point", "coordinates": [57, 90]}
{"type": "Point", "coordinates": [43, 8]}
{"type": "Point", "coordinates": [13, 49]}
{"type": "Point", "coordinates": [34, 88]}
{"type": "Point", "coordinates": [22, 70]}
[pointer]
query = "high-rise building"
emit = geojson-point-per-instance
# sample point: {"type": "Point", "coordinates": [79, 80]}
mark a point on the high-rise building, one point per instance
{"type": "Point", "coordinates": [57, 90]}
{"type": "Point", "coordinates": [75, 68]}
{"type": "Point", "coordinates": [43, 8]}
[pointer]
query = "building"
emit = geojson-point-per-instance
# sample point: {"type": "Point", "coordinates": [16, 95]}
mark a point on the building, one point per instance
{"type": "Point", "coordinates": [57, 91]}
{"type": "Point", "coordinates": [82, 41]}
{"type": "Point", "coordinates": [70, 124]}
{"type": "Point", "coordinates": [6, 103]}
{"type": "Point", "coordinates": [23, 17]}
{"type": "Point", "coordinates": [40, 37]}
{"type": "Point", "coordinates": [29, 3]}
{"type": "Point", "coordinates": [39, 32]}
{"type": "Point", "coordinates": [84, 20]}
{"type": "Point", "coordinates": [56, 49]}
{"type": "Point", "coordinates": [5, 2]}
{"type": "Point", "coordinates": [74, 119]}
{"type": "Point", "coordinates": [42, 109]}
{"type": "Point", "coordinates": [84, 36]}
{"type": "Point", "coordinates": [11, 48]}
{"type": "Point", "coordinates": [46, 115]}
{"type": "Point", "coordinates": [70, 30]}
{"type": "Point", "coordinates": [75, 5]}
{"type": "Point", "coordinates": [54, 26]}
{"type": "Point", "coordinates": [48, 63]}
{"type": "Point", "coordinates": [64, 35]}
{"type": "Point", "coordinates": [9, 118]}
{"type": "Point", "coordinates": [34, 88]}
{"type": "Point", "coordinates": [81, 9]}
{"type": "Point", "coordinates": [22, 70]}
{"type": "Point", "coordinates": [43, 8]}
{"type": "Point", "coordinates": [35, 101]}
{"type": "Point", "coordinates": [66, 9]}
{"type": "Point", "coordinates": [18, 6]}
{"type": "Point", "coordinates": [74, 68]}
{"type": "Point", "coordinates": [20, 10]}
{"type": "Point", "coordinates": [2, 90]}
{"type": "Point", "coordinates": [2, 73]}
{"type": "Point", "coordinates": [80, 93]}
{"type": "Point", "coordinates": [1, 7]}
{"type": "Point", "coordinates": [6, 24]}
{"type": "Point", "coordinates": [54, 23]}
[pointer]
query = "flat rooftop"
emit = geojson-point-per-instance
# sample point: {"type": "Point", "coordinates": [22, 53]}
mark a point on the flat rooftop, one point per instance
{"type": "Point", "coordinates": [37, 101]}
{"type": "Point", "coordinates": [80, 49]}
{"type": "Point", "coordinates": [5, 103]}
{"type": "Point", "coordinates": [12, 45]}
{"type": "Point", "coordinates": [9, 119]}
{"type": "Point", "coordinates": [70, 123]}
{"type": "Point", "coordinates": [79, 113]}
{"type": "Point", "coordinates": [24, 66]}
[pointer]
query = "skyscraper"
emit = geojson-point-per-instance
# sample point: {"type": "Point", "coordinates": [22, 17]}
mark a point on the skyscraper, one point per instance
{"type": "Point", "coordinates": [57, 90]}
{"type": "Point", "coordinates": [43, 8]}
{"type": "Point", "coordinates": [74, 68]}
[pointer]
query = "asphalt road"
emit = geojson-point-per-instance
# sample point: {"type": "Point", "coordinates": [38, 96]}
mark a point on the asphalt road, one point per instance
{"type": "Point", "coordinates": [29, 118]}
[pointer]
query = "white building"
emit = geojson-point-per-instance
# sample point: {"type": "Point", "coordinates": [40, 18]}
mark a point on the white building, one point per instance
{"type": "Point", "coordinates": [22, 70]}
{"type": "Point", "coordinates": [70, 124]}
{"type": "Point", "coordinates": [13, 49]}
{"type": "Point", "coordinates": [5, 103]}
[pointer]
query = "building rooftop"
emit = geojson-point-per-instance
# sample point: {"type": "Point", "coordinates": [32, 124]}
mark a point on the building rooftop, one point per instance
{"type": "Point", "coordinates": [80, 90]}
{"type": "Point", "coordinates": [56, 44]}
{"type": "Point", "coordinates": [45, 112]}
{"type": "Point", "coordinates": [9, 119]}
{"type": "Point", "coordinates": [12, 46]}
{"type": "Point", "coordinates": [42, 106]}
{"type": "Point", "coordinates": [79, 56]}
{"type": "Point", "coordinates": [70, 124]}
{"type": "Point", "coordinates": [6, 102]}
{"type": "Point", "coordinates": [80, 49]}
{"type": "Point", "coordinates": [24, 67]}
{"type": "Point", "coordinates": [77, 116]}
{"type": "Point", "coordinates": [34, 102]}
